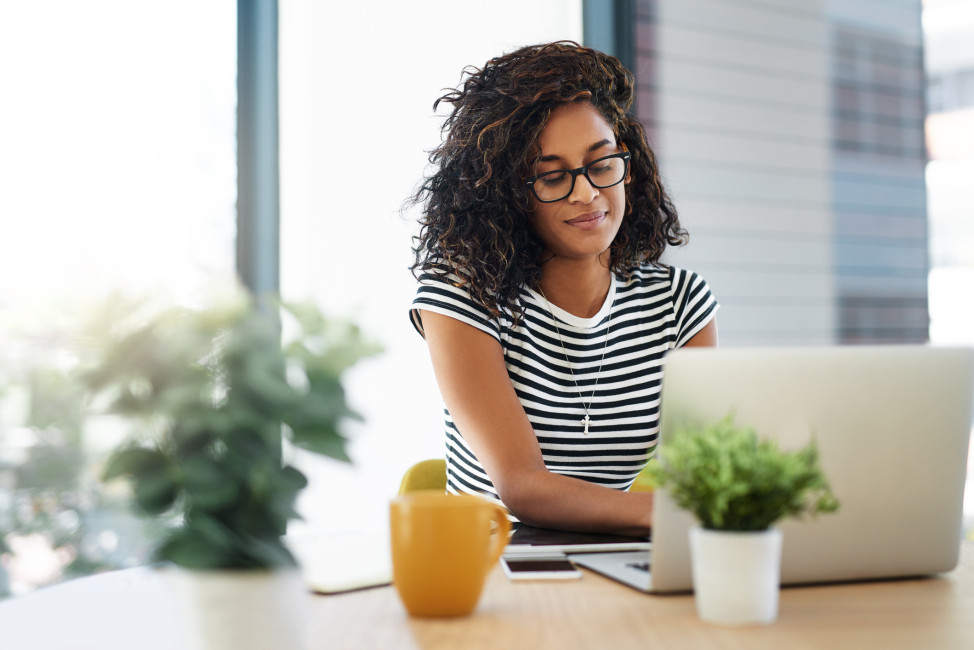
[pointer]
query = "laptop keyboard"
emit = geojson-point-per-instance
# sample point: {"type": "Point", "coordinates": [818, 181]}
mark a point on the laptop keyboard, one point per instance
{"type": "Point", "coordinates": [641, 566]}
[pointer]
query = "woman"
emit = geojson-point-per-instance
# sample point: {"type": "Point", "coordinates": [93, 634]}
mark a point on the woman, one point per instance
{"type": "Point", "coordinates": [542, 299]}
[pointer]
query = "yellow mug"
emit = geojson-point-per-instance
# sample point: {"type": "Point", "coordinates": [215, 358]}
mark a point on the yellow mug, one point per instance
{"type": "Point", "coordinates": [443, 547]}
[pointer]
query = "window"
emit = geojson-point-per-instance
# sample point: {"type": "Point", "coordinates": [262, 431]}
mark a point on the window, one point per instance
{"type": "Point", "coordinates": [119, 169]}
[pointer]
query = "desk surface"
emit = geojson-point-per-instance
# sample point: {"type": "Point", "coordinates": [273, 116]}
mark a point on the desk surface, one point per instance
{"type": "Point", "coordinates": [135, 608]}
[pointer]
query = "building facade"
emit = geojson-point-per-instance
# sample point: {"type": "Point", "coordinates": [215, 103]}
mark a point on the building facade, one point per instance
{"type": "Point", "coordinates": [791, 138]}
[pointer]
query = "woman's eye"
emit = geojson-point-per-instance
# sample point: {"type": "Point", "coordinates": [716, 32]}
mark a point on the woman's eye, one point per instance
{"type": "Point", "coordinates": [603, 168]}
{"type": "Point", "coordinates": [550, 180]}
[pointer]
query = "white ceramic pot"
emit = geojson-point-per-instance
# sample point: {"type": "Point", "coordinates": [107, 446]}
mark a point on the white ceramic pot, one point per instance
{"type": "Point", "coordinates": [736, 575]}
{"type": "Point", "coordinates": [242, 609]}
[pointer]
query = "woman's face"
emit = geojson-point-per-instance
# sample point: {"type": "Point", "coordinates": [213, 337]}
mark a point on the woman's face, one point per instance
{"type": "Point", "coordinates": [584, 223]}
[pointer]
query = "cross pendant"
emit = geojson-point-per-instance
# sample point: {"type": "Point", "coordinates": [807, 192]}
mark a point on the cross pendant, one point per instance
{"type": "Point", "coordinates": [586, 420]}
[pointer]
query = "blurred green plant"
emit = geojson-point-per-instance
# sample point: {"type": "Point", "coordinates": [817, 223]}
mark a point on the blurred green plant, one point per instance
{"type": "Point", "coordinates": [214, 393]}
{"type": "Point", "coordinates": [731, 480]}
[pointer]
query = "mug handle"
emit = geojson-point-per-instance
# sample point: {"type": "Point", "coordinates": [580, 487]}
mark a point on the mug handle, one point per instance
{"type": "Point", "coordinates": [501, 535]}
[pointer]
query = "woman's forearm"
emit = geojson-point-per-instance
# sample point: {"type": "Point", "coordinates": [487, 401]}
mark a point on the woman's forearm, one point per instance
{"type": "Point", "coordinates": [545, 499]}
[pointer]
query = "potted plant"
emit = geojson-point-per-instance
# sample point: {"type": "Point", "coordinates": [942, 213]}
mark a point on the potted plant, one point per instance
{"type": "Point", "coordinates": [217, 398]}
{"type": "Point", "coordinates": [738, 486]}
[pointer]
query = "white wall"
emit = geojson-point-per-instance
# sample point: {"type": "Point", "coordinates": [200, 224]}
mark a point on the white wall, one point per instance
{"type": "Point", "coordinates": [357, 84]}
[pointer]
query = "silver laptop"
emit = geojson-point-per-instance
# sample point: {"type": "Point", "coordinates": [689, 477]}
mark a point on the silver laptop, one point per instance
{"type": "Point", "coordinates": [892, 425]}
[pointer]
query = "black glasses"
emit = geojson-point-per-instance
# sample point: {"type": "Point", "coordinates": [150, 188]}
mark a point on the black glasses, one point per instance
{"type": "Point", "coordinates": [601, 173]}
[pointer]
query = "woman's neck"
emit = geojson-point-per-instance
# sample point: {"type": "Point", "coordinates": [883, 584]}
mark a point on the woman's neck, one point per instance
{"type": "Point", "coordinates": [577, 286]}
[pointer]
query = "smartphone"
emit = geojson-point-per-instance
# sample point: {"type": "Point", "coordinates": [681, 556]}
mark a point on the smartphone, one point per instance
{"type": "Point", "coordinates": [540, 568]}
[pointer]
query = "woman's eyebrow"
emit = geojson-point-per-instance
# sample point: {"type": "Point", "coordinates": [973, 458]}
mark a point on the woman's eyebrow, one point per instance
{"type": "Point", "coordinates": [594, 147]}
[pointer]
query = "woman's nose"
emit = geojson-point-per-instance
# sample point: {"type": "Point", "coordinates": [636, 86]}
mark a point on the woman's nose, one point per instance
{"type": "Point", "coordinates": [584, 191]}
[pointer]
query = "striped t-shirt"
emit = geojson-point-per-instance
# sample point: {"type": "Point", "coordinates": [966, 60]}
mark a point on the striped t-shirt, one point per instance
{"type": "Point", "coordinates": [658, 309]}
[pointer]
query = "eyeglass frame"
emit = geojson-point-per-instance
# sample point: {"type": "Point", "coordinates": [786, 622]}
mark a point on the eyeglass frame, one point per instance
{"type": "Point", "coordinates": [578, 171]}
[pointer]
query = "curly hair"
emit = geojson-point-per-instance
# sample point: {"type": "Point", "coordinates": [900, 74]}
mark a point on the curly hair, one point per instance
{"type": "Point", "coordinates": [476, 205]}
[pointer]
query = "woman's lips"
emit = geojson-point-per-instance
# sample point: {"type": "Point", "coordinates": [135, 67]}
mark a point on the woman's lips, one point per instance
{"type": "Point", "coordinates": [587, 221]}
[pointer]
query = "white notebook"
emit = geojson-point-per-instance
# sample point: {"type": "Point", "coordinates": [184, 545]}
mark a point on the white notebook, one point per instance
{"type": "Point", "coordinates": [337, 562]}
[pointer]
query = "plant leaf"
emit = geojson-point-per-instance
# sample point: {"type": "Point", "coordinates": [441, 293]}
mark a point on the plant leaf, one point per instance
{"type": "Point", "coordinates": [207, 483]}
{"type": "Point", "coordinates": [130, 460]}
{"type": "Point", "coordinates": [155, 491]}
{"type": "Point", "coordinates": [186, 548]}
{"type": "Point", "coordinates": [324, 441]}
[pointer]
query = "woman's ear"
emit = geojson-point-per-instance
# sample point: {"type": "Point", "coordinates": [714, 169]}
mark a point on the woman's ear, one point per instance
{"type": "Point", "coordinates": [628, 179]}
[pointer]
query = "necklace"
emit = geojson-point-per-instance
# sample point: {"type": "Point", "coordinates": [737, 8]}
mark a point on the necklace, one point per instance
{"type": "Point", "coordinates": [585, 421]}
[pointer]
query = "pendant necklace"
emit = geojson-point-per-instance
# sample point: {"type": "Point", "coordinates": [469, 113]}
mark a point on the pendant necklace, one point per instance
{"type": "Point", "coordinates": [585, 421]}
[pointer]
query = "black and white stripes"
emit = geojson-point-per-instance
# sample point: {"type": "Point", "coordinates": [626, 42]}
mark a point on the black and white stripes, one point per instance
{"type": "Point", "coordinates": [658, 309]}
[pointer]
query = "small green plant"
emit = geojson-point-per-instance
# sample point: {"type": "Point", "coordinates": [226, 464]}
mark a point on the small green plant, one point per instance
{"type": "Point", "coordinates": [215, 393]}
{"type": "Point", "coordinates": [731, 480]}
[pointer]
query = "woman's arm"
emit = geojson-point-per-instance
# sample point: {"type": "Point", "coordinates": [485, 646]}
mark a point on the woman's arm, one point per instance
{"type": "Point", "coordinates": [470, 370]}
{"type": "Point", "coordinates": [707, 337]}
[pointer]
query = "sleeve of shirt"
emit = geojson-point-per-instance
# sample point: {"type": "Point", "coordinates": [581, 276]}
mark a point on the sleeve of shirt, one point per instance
{"type": "Point", "coordinates": [695, 305]}
{"type": "Point", "coordinates": [437, 293]}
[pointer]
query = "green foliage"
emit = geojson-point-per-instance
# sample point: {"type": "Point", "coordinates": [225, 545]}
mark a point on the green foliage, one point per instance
{"type": "Point", "coordinates": [215, 392]}
{"type": "Point", "coordinates": [730, 480]}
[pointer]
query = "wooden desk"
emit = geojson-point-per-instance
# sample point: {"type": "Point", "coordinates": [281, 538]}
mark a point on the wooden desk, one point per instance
{"type": "Point", "coordinates": [134, 609]}
{"type": "Point", "coordinates": [597, 613]}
